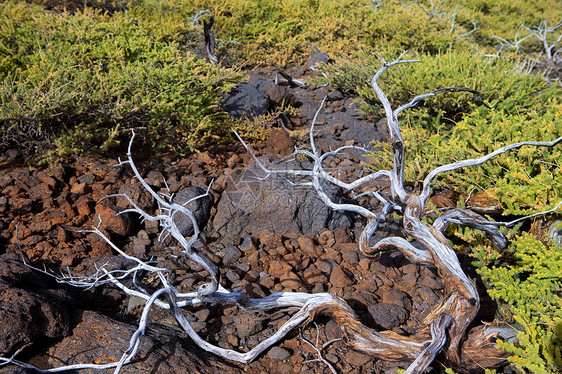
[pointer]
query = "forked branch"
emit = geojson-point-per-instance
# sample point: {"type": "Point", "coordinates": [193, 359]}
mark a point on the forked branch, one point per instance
{"type": "Point", "coordinates": [450, 320]}
{"type": "Point", "coordinates": [444, 328]}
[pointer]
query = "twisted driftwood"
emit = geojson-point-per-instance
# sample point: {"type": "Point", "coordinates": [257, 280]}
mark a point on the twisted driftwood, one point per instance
{"type": "Point", "coordinates": [445, 328]}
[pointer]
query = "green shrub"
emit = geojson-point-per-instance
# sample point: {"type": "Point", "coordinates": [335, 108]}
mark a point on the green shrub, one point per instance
{"type": "Point", "coordinates": [80, 78]}
{"type": "Point", "coordinates": [532, 287]}
{"type": "Point", "coordinates": [272, 32]}
{"type": "Point", "coordinates": [503, 83]}
{"type": "Point", "coordinates": [524, 181]}
{"type": "Point", "coordinates": [503, 17]}
{"type": "Point", "coordinates": [281, 33]}
{"type": "Point", "coordinates": [453, 127]}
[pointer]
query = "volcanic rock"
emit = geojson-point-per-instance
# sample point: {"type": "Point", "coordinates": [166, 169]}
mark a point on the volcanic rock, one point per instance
{"type": "Point", "coordinates": [200, 207]}
{"type": "Point", "coordinates": [245, 101]}
{"type": "Point", "coordinates": [251, 204]}
{"type": "Point", "coordinates": [100, 339]}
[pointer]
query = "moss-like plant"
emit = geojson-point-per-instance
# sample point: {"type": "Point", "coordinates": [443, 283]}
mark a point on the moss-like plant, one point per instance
{"type": "Point", "coordinates": [532, 287]}
{"type": "Point", "coordinates": [281, 33]}
{"type": "Point", "coordinates": [273, 32]}
{"type": "Point", "coordinates": [82, 78]}
{"type": "Point", "coordinates": [258, 128]}
{"type": "Point", "coordinates": [457, 127]}
{"type": "Point", "coordinates": [524, 182]}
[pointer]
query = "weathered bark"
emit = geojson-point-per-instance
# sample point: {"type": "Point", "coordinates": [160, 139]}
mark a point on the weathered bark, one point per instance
{"type": "Point", "coordinates": [210, 41]}
{"type": "Point", "coordinates": [444, 329]}
{"type": "Point", "coordinates": [446, 326]}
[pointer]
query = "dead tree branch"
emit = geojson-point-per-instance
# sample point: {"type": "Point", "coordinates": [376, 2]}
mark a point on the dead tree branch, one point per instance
{"type": "Point", "coordinates": [210, 41]}
{"type": "Point", "coordinates": [446, 327]}
{"type": "Point", "coordinates": [309, 305]}
{"type": "Point", "coordinates": [546, 35]}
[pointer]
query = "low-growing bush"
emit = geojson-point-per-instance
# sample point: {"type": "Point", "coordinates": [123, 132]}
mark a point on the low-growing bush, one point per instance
{"type": "Point", "coordinates": [80, 79]}
{"type": "Point", "coordinates": [504, 84]}
{"type": "Point", "coordinates": [456, 127]}
{"type": "Point", "coordinates": [503, 17]}
{"type": "Point", "coordinates": [523, 182]}
{"type": "Point", "coordinates": [281, 33]}
{"type": "Point", "coordinates": [532, 287]}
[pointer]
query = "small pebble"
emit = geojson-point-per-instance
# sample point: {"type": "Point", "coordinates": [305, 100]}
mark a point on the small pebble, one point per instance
{"type": "Point", "coordinates": [279, 353]}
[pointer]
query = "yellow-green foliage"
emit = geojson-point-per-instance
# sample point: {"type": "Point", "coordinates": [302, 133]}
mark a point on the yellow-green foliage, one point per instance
{"type": "Point", "coordinates": [283, 32]}
{"type": "Point", "coordinates": [502, 82]}
{"type": "Point", "coordinates": [83, 77]}
{"type": "Point", "coordinates": [525, 181]}
{"type": "Point", "coordinates": [533, 288]}
{"type": "Point", "coordinates": [439, 131]}
{"type": "Point", "coordinates": [258, 128]}
{"type": "Point", "coordinates": [503, 17]}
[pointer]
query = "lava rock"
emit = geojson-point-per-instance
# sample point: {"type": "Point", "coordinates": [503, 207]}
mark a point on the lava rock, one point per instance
{"type": "Point", "coordinates": [245, 101]}
{"type": "Point", "coordinates": [250, 204]}
{"type": "Point", "coordinates": [290, 281]}
{"type": "Point", "coordinates": [231, 255]}
{"type": "Point", "coordinates": [137, 193]}
{"type": "Point", "coordinates": [109, 219]}
{"type": "Point", "coordinates": [279, 143]}
{"type": "Point", "coordinates": [201, 208]}
{"type": "Point", "coordinates": [428, 295]}
{"type": "Point", "coordinates": [351, 257]}
{"type": "Point", "coordinates": [388, 316]}
{"type": "Point", "coordinates": [247, 325]}
{"type": "Point", "coordinates": [307, 245]}
{"type": "Point", "coordinates": [97, 338]}
{"type": "Point", "coordinates": [316, 57]}
{"type": "Point", "coordinates": [279, 353]}
{"type": "Point", "coordinates": [16, 370]}
{"type": "Point", "coordinates": [248, 244]}
{"type": "Point", "coordinates": [357, 359]}
{"type": "Point", "coordinates": [312, 275]}
{"type": "Point", "coordinates": [277, 95]}
{"type": "Point", "coordinates": [397, 297]}
{"type": "Point", "coordinates": [29, 311]}
{"type": "Point", "coordinates": [340, 277]}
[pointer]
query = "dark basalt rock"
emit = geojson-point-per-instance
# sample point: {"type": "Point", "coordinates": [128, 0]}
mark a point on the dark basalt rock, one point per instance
{"type": "Point", "coordinates": [201, 209]}
{"type": "Point", "coordinates": [251, 204]}
{"type": "Point", "coordinates": [100, 339]}
{"type": "Point", "coordinates": [245, 101]}
{"type": "Point", "coordinates": [29, 312]}
{"type": "Point", "coordinates": [388, 316]}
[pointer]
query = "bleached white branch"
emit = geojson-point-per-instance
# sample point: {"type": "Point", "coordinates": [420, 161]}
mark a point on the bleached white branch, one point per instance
{"type": "Point", "coordinates": [445, 327]}
{"type": "Point", "coordinates": [475, 27]}
{"type": "Point", "coordinates": [319, 349]}
{"type": "Point", "coordinates": [438, 339]}
{"type": "Point", "coordinates": [477, 161]}
{"type": "Point", "coordinates": [376, 4]}
{"type": "Point", "coordinates": [550, 45]}
{"type": "Point", "coordinates": [455, 314]}
{"type": "Point", "coordinates": [467, 217]}
{"type": "Point", "coordinates": [309, 305]}
{"type": "Point", "coordinates": [198, 15]}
